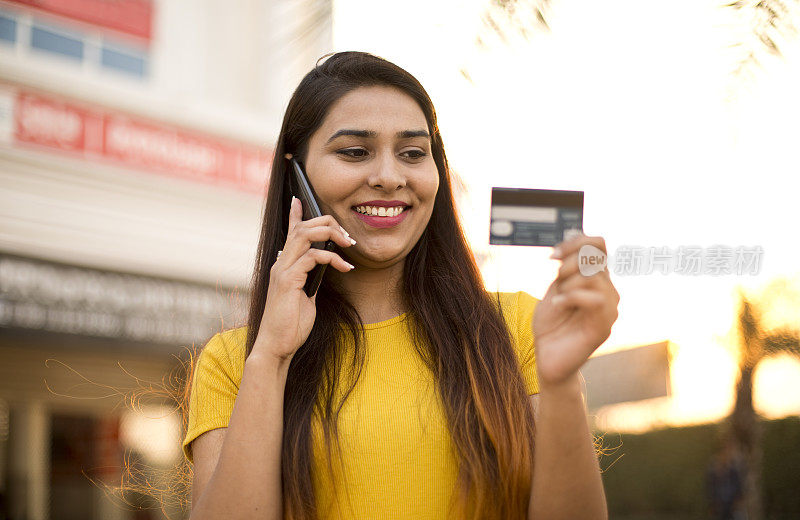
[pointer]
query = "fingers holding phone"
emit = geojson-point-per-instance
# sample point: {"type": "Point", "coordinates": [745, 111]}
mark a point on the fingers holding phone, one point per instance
{"type": "Point", "coordinates": [289, 312]}
{"type": "Point", "coordinates": [303, 234]}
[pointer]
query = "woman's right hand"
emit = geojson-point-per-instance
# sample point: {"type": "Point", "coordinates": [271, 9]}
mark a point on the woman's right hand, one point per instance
{"type": "Point", "coordinates": [289, 313]}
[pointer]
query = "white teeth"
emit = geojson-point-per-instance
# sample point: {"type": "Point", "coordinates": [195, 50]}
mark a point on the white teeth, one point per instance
{"type": "Point", "coordinates": [380, 211]}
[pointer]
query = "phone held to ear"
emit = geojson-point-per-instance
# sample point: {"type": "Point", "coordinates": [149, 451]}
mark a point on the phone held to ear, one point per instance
{"type": "Point", "coordinates": [301, 188]}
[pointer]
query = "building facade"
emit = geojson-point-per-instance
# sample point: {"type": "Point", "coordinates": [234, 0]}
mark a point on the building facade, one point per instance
{"type": "Point", "coordinates": [136, 138]}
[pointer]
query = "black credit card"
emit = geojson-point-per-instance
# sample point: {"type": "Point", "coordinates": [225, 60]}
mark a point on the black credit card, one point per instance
{"type": "Point", "coordinates": [527, 217]}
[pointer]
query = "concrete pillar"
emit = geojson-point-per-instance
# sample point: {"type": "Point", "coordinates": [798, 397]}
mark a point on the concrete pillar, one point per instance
{"type": "Point", "coordinates": [4, 449]}
{"type": "Point", "coordinates": [29, 462]}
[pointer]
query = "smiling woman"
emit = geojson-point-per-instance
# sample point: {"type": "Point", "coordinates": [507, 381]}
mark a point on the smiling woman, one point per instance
{"type": "Point", "coordinates": [370, 163]}
{"type": "Point", "coordinates": [401, 389]}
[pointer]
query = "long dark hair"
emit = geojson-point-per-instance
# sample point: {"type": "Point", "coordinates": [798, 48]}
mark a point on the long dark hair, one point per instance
{"type": "Point", "coordinates": [458, 328]}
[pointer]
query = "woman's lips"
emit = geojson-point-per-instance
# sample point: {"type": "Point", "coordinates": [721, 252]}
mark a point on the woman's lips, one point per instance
{"type": "Point", "coordinates": [382, 222]}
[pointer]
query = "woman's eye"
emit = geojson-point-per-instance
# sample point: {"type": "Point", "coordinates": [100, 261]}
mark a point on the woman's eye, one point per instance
{"type": "Point", "coordinates": [416, 154]}
{"type": "Point", "coordinates": [360, 152]}
{"type": "Point", "coordinates": [353, 152]}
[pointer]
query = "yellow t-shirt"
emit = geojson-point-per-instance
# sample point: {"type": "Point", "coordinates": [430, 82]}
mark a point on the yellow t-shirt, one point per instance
{"type": "Point", "coordinates": [397, 456]}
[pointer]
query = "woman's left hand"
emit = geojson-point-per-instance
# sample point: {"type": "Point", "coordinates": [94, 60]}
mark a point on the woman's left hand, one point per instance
{"type": "Point", "coordinates": [574, 317]}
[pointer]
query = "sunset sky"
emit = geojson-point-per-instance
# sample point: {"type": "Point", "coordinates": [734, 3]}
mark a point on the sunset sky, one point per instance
{"type": "Point", "coordinates": [634, 103]}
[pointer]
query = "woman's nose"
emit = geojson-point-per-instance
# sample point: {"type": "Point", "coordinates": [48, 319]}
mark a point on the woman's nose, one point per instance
{"type": "Point", "coordinates": [388, 174]}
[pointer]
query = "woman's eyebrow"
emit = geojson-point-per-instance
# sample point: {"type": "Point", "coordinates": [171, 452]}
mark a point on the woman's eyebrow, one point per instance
{"type": "Point", "coordinates": [404, 134]}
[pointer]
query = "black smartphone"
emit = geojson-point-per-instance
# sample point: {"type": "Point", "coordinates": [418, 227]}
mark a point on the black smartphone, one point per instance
{"type": "Point", "coordinates": [301, 188]}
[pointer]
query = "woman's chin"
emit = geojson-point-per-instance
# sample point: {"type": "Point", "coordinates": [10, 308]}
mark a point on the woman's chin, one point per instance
{"type": "Point", "coordinates": [378, 259]}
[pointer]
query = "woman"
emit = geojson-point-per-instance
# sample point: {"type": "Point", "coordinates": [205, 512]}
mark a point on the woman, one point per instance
{"type": "Point", "coordinates": [402, 389]}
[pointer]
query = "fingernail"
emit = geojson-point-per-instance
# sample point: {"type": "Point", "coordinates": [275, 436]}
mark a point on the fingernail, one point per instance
{"type": "Point", "coordinates": [346, 234]}
{"type": "Point", "coordinates": [352, 242]}
{"type": "Point", "coordinates": [351, 266]}
{"type": "Point", "coordinates": [557, 299]}
{"type": "Point", "coordinates": [556, 253]}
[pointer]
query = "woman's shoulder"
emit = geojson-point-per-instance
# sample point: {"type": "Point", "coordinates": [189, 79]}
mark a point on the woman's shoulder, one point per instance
{"type": "Point", "coordinates": [517, 309]}
{"type": "Point", "coordinates": [514, 301]}
{"type": "Point", "coordinates": [226, 350]}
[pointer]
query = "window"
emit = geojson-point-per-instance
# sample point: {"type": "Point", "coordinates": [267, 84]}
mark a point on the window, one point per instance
{"type": "Point", "coordinates": [128, 61]}
{"type": "Point", "coordinates": [51, 41]}
{"type": "Point", "coordinates": [94, 50]}
{"type": "Point", "coordinates": [8, 29]}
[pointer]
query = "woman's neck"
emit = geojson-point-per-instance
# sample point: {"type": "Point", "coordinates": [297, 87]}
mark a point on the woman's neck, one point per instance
{"type": "Point", "coordinates": [375, 293]}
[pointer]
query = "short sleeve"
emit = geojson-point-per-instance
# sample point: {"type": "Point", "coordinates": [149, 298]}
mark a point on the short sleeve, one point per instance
{"type": "Point", "coordinates": [518, 311]}
{"type": "Point", "coordinates": [215, 384]}
{"type": "Point", "coordinates": [526, 305]}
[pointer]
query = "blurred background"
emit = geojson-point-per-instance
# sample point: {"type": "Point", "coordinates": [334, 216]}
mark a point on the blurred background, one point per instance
{"type": "Point", "coordinates": [136, 138]}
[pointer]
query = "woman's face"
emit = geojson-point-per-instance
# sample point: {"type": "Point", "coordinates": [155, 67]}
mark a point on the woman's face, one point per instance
{"type": "Point", "coordinates": [371, 167]}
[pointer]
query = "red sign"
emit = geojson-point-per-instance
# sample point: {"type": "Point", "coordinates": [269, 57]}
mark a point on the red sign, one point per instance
{"type": "Point", "coordinates": [153, 147]}
{"type": "Point", "coordinates": [133, 17]}
{"type": "Point", "coordinates": [49, 123]}
{"type": "Point", "coordinates": [96, 133]}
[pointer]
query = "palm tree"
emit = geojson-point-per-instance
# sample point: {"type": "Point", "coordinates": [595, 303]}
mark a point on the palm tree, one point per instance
{"type": "Point", "coordinates": [770, 23]}
{"type": "Point", "coordinates": [766, 24]}
{"type": "Point", "coordinates": [761, 335]}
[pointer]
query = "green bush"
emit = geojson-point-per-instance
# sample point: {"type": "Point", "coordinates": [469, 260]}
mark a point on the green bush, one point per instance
{"type": "Point", "coordinates": [781, 479]}
{"type": "Point", "coordinates": [661, 474]}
